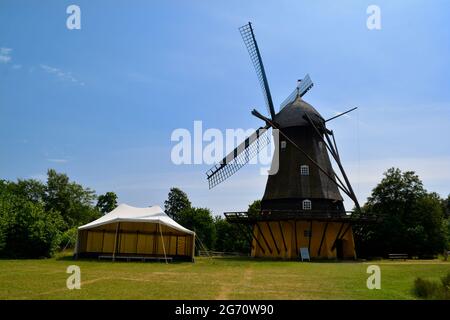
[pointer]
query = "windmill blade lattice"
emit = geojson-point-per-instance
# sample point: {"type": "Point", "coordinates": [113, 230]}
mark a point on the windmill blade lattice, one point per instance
{"type": "Point", "coordinates": [239, 157]}
{"type": "Point", "coordinates": [302, 88]}
{"type": "Point", "coordinates": [253, 50]}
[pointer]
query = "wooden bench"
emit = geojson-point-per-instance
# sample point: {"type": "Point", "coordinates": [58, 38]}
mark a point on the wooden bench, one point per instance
{"type": "Point", "coordinates": [397, 256]}
{"type": "Point", "coordinates": [135, 258]}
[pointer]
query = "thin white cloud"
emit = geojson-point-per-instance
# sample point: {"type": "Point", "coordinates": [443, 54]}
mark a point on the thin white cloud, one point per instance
{"type": "Point", "coordinates": [60, 74]}
{"type": "Point", "coordinates": [5, 55]}
{"type": "Point", "coordinates": [39, 176]}
{"type": "Point", "coordinates": [17, 66]}
{"type": "Point", "coordinates": [58, 160]}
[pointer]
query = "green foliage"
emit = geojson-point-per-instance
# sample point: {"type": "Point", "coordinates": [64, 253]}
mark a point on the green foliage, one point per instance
{"type": "Point", "coordinates": [36, 216]}
{"type": "Point", "coordinates": [412, 219]}
{"type": "Point", "coordinates": [72, 200]}
{"type": "Point", "coordinates": [426, 289]}
{"type": "Point", "coordinates": [230, 237]}
{"type": "Point", "coordinates": [107, 202]}
{"type": "Point", "coordinates": [27, 230]}
{"type": "Point", "coordinates": [69, 238]}
{"type": "Point", "coordinates": [254, 208]}
{"type": "Point", "coordinates": [177, 201]}
{"type": "Point", "coordinates": [201, 221]}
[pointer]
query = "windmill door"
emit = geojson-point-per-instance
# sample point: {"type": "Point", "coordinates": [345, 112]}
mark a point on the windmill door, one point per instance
{"type": "Point", "coordinates": [340, 249]}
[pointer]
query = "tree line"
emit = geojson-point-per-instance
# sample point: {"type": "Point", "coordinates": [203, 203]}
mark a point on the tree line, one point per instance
{"type": "Point", "coordinates": [213, 232]}
{"type": "Point", "coordinates": [37, 218]}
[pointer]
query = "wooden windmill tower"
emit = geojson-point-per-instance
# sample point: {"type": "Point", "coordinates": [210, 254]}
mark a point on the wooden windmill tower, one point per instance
{"type": "Point", "coordinates": [302, 206]}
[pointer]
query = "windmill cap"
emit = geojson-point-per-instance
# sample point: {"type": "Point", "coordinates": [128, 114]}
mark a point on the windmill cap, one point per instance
{"type": "Point", "coordinates": [292, 115]}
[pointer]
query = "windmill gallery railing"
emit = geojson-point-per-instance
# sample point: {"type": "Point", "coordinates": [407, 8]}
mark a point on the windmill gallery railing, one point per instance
{"type": "Point", "coordinates": [338, 216]}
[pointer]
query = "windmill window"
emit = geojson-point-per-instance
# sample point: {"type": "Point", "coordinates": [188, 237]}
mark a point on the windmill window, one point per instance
{"type": "Point", "coordinates": [283, 144]}
{"type": "Point", "coordinates": [304, 170]}
{"type": "Point", "coordinates": [307, 233]}
{"type": "Point", "coordinates": [306, 204]}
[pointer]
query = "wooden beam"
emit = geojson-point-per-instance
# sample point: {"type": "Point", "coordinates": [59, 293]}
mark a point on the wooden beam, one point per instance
{"type": "Point", "coordinates": [337, 236]}
{"type": "Point", "coordinates": [296, 242]}
{"type": "Point", "coordinates": [273, 238]}
{"type": "Point", "coordinates": [282, 236]}
{"type": "Point", "coordinates": [264, 238]}
{"type": "Point", "coordinates": [103, 240]}
{"type": "Point", "coordinates": [275, 126]}
{"type": "Point", "coordinates": [155, 244]}
{"type": "Point", "coordinates": [115, 242]}
{"type": "Point", "coordinates": [137, 239]}
{"type": "Point", "coordinates": [120, 240]}
{"type": "Point", "coordinates": [310, 235]}
{"type": "Point", "coordinates": [344, 175]}
{"type": "Point", "coordinates": [323, 238]}
{"type": "Point", "coordinates": [345, 231]}
{"type": "Point", "coordinates": [257, 242]}
{"type": "Point", "coordinates": [170, 241]}
{"type": "Point", "coordinates": [330, 148]}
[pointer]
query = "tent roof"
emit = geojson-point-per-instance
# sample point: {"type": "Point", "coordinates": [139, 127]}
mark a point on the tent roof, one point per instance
{"type": "Point", "coordinates": [126, 213]}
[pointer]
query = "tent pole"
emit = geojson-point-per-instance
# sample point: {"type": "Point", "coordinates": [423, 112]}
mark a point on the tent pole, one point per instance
{"type": "Point", "coordinates": [162, 240]}
{"type": "Point", "coordinates": [193, 247]}
{"type": "Point", "coordinates": [115, 242]}
{"type": "Point", "coordinates": [77, 245]}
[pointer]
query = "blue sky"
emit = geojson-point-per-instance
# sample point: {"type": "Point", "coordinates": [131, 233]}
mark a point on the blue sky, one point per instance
{"type": "Point", "coordinates": [100, 103]}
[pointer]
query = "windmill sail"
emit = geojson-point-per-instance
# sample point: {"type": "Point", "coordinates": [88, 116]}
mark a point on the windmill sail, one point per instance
{"type": "Point", "coordinates": [303, 87]}
{"type": "Point", "coordinates": [252, 47]}
{"type": "Point", "coordinates": [238, 157]}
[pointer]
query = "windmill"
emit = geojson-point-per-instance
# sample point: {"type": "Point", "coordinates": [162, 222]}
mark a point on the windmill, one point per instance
{"type": "Point", "coordinates": [302, 206]}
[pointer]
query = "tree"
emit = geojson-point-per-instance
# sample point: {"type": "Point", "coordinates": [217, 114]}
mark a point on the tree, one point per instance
{"type": "Point", "coordinates": [201, 221]}
{"type": "Point", "coordinates": [254, 208]}
{"type": "Point", "coordinates": [230, 237]}
{"type": "Point", "coordinates": [446, 206]}
{"type": "Point", "coordinates": [30, 189]}
{"type": "Point", "coordinates": [107, 202]}
{"type": "Point", "coordinates": [412, 219]}
{"type": "Point", "coordinates": [177, 201]}
{"type": "Point", "coordinates": [35, 216]}
{"type": "Point", "coordinates": [27, 230]}
{"type": "Point", "coordinates": [72, 200]}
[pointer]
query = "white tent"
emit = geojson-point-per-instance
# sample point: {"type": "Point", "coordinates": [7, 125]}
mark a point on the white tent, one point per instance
{"type": "Point", "coordinates": [130, 232]}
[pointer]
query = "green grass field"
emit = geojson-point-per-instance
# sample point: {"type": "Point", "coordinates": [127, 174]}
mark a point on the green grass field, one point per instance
{"type": "Point", "coordinates": [212, 278]}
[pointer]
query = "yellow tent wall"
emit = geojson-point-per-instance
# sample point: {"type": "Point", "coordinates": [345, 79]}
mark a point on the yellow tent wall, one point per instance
{"type": "Point", "coordinates": [283, 239]}
{"type": "Point", "coordinates": [135, 238]}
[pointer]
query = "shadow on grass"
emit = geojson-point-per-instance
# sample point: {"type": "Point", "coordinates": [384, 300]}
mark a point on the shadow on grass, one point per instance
{"type": "Point", "coordinates": [68, 256]}
{"type": "Point", "coordinates": [266, 260]}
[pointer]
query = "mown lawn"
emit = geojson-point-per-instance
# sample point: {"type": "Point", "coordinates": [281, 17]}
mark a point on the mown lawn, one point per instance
{"type": "Point", "coordinates": [212, 278]}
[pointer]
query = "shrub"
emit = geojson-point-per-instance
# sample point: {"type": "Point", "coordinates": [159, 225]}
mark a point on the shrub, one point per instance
{"type": "Point", "coordinates": [27, 230]}
{"type": "Point", "coordinates": [69, 238]}
{"type": "Point", "coordinates": [201, 221]}
{"type": "Point", "coordinates": [426, 289]}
